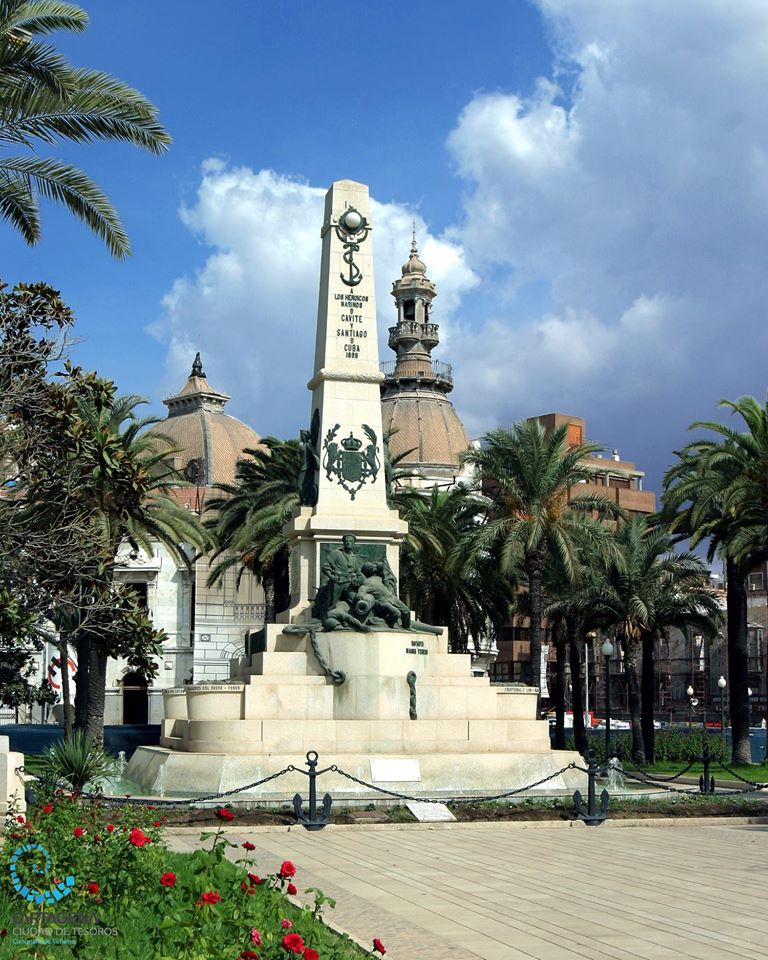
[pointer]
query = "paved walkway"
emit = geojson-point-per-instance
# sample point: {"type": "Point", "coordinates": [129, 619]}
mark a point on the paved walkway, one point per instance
{"type": "Point", "coordinates": [554, 892]}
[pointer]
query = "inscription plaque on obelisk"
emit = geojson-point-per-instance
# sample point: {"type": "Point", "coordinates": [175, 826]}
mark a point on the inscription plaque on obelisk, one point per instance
{"type": "Point", "coordinates": [344, 476]}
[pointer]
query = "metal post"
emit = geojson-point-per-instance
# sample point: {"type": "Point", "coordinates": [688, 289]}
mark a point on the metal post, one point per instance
{"type": "Point", "coordinates": [586, 678]}
{"type": "Point", "coordinates": [607, 709]}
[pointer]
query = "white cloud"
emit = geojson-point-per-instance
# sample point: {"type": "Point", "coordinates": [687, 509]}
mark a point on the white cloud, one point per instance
{"type": "Point", "coordinates": [633, 187]}
{"type": "Point", "coordinates": [252, 307]}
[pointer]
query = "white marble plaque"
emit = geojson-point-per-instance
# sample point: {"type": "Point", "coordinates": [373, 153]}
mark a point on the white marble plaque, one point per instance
{"type": "Point", "coordinates": [395, 771]}
{"type": "Point", "coordinates": [429, 812]}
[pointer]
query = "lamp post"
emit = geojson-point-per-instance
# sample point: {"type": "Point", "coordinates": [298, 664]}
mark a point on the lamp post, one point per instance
{"type": "Point", "coordinates": [689, 694]}
{"type": "Point", "coordinates": [607, 649]}
{"type": "Point", "coordinates": [721, 683]}
{"type": "Point", "coordinates": [749, 701]}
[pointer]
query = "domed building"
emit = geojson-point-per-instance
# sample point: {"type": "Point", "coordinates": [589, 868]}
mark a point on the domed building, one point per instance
{"type": "Point", "coordinates": [424, 428]}
{"type": "Point", "coordinates": [210, 440]}
{"type": "Point", "coordinates": [206, 625]}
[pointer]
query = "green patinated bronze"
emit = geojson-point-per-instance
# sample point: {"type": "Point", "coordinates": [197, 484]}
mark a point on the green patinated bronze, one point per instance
{"type": "Point", "coordinates": [348, 462]}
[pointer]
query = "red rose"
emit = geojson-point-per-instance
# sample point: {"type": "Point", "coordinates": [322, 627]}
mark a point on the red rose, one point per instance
{"type": "Point", "coordinates": [293, 943]}
{"type": "Point", "coordinates": [378, 946]}
{"type": "Point", "coordinates": [254, 879]}
{"type": "Point", "coordinates": [155, 823]}
{"type": "Point", "coordinates": [310, 954]}
{"type": "Point", "coordinates": [78, 832]}
{"type": "Point", "coordinates": [248, 955]}
{"type": "Point", "coordinates": [168, 879]}
{"type": "Point", "coordinates": [210, 897]}
{"type": "Point", "coordinates": [248, 845]}
{"type": "Point", "coordinates": [164, 819]}
{"type": "Point", "coordinates": [150, 806]}
{"type": "Point", "coordinates": [255, 937]}
{"type": "Point", "coordinates": [138, 838]}
{"type": "Point", "coordinates": [48, 808]}
{"type": "Point", "coordinates": [286, 924]}
{"type": "Point", "coordinates": [292, 889]}
{"type": "Point", "coordinates": [287, 869]}
{"type": "Point", "coordinates": [4, 932]}
{"type": "Point", "coordinates": [92, 888]}
{"type": "Point", "coordinates": [223, 814]}
{"type": "Point", "coordinates": [20, 819]}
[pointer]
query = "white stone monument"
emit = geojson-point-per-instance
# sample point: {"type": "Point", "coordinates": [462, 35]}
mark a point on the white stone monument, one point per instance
{"type": "Point", "coordinates": [347, 672]}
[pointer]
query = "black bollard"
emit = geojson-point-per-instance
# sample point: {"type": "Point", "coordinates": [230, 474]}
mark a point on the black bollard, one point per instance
{"type": "Point", "coordinates": [313, 821]}
{"type": "Point", "coordinates": [706, 783]}
{"type": "Point", "coordinates": [592, 817]}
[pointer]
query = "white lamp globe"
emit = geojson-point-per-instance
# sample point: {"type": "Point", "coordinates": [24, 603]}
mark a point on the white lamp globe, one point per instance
{"type": "Point", "coordinates": [689, 691]}
{"type": "Point", "coordinates": [607, 648]}
{"type": "Point", "coordinates": [721, 683]}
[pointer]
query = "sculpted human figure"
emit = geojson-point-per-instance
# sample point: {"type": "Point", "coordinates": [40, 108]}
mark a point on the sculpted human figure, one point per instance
{"type": "Point", "coordinates": [342, 568]}
{"type": "Point", "coordinates": [375, 596]}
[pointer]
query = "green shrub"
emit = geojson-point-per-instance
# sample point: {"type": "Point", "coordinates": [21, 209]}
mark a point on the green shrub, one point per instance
{"type": "Point", "coordinates": [671, 746]}
{"type": "Point", "coordinates": [78, 762]}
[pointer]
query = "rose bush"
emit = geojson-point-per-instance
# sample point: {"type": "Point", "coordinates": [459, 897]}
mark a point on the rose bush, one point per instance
{"type": "Point", "coordinates": [157, 903]}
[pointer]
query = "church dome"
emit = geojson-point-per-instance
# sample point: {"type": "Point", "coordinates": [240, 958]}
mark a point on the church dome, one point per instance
{"type": "Point", "coordinates": [210, 441]}
{"type": "Point", "coordinates": [425, 422]}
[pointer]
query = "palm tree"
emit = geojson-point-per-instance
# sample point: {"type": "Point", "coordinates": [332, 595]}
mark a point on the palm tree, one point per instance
{"type": "Point", "coordinates": [442, 577]}
{"type": "Point", "coordinates": [44, 100]}
{"type": "Point", "coordinates": [534, 513]}
{"type": "Point", "coordinates": [647, 588]}
{"type": "Point", "coordinates": [570, 612]}
{"type": "Point", "coordinates": [249, 519]}
{"type": "Point", "coordinates": [717, 492]}
{"type": "Point", "coordinates": [121, 483]}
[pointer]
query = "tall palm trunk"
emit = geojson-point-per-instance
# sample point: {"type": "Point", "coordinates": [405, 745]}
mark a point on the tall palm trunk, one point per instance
{"type": "Point", "coordinates": [66, 695]}
{"type": "Point", "coordinates": [535, 568]}
{"type": "Point", "coordinates": [738, 653]}
{"type": "Point", "coordinates": [577, 684]}
{"type": "Point", "coordinates": [97, 692]}
{"type": "Point", "coordinates": [81, 679]}
{"type": "Point", "coordinates": [648, 695]}
{"type": "Point", "coordinates": [560, 639]}
{"type": "Point", "coordinates": [268, 582]}
{"type": "Point", "coordinates": [632, 672]}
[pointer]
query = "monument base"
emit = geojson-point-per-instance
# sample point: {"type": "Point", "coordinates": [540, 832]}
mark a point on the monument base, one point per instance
{"type": "Point", "coordinates": [437, 775]}
{"type": "Point", "coordinates": [392, 708]}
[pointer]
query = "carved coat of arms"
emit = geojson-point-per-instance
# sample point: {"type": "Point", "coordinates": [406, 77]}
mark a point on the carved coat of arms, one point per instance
{"type": "Point", "coordinates": [349, 461]}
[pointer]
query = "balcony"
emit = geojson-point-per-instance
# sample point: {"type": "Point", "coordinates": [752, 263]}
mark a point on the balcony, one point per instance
{"type": "Point", "coordinates": [439, 371]}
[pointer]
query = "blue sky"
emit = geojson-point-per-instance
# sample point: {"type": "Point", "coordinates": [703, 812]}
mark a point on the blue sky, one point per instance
{"type": "Point", "coordinates": [589, 180]}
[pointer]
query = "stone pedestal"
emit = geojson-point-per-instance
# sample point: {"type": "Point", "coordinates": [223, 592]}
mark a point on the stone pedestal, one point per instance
{"type": "Point", "coordinates": [11, 782]}
{"type": "Point", "coordinates": [462, 733]}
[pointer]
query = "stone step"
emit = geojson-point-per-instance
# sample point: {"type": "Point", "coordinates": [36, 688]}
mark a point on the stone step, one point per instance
{"type": "Point", "coordinates": [287, 679]}
{"type": "Point", "coordinates": [282, 663]}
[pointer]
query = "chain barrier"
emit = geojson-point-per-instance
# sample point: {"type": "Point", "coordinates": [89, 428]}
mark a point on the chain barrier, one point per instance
{"type": "Point", "coordinates": [454, 800]}
{"type": "Point", "coordinates": [663, 779]}
{"type": "Point", "coordinates": [155, 801]}
{"type": "Point", "coordinates": [752, 783]}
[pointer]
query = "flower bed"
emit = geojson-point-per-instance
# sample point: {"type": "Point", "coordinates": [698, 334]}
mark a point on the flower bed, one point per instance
{"type": "Point", "coordinates": [108, 887]}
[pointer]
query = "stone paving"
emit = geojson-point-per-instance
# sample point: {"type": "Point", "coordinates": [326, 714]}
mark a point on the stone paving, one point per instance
{"type": "Point", "coordinates": [543, 892]}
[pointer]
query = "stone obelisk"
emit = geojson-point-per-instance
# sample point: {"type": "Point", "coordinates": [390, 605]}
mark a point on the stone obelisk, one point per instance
{"type": "Point", "coordinates": [344, 470]}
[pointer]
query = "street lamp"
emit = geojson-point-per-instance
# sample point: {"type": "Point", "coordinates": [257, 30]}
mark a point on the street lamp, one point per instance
{"type": "Point", "coordinates": [607, 649]}
{"type": "Point", "coordinates": [689, 694]}
{"type": "Point", "coordinates": [749, 702]}
{"type": "Point", "coordinates": [722, 684]}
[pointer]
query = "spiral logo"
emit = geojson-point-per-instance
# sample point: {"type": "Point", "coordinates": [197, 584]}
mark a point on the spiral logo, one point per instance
{"type": "Point", "coordinates": [55, 892]}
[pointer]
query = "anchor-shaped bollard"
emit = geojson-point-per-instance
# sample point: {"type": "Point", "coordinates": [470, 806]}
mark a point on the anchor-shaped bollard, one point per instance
{"type": "Point", "coordinates": [592, 817]}
{"type": "Point", "coordinates": [313, 821]}
{"type": "Point", "coordinates": [706, 783]}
